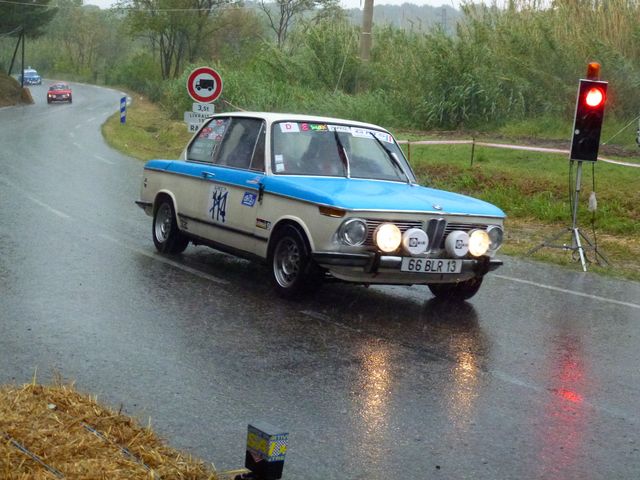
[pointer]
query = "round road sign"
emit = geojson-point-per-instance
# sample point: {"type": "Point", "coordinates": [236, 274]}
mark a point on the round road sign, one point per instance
{"type": "Point", "coordinates": [204, 85]}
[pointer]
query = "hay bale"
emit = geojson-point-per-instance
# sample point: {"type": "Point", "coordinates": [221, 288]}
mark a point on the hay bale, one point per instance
{"type": "Point", "coordinates": [47, 431]}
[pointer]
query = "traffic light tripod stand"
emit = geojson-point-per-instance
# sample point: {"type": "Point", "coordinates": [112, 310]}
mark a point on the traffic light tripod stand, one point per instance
{"type": "Point", "coordinates": [579, 241]}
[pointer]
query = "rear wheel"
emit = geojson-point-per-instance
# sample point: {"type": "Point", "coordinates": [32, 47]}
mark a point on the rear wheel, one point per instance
{"type": "Point", "coordinates": [456, 291]}
{"type": "Point", "coordinates": [293, 271]}
{"type": "Point", "coordinates": [166, 236]}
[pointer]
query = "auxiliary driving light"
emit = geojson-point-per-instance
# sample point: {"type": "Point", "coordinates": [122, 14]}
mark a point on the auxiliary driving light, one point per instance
{"type": "Point", "coordinates": [479, 242]}
{"type": "Point", "coordinates": [415, 241]}
{"type": "Point", "coordinates": [457, 244]}
{"type": "Point", "coordinates": [387, 237]}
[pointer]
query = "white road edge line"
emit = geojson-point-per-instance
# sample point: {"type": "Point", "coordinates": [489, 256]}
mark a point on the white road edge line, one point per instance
{"type": "Point", "coordinates": [167, 261]}
{"type": "Point", "coordinates": [104, 160]}
{"type": "Point", "coordinates": [572, 292]}
{"type": "Point", "coordinates": [34, 199]}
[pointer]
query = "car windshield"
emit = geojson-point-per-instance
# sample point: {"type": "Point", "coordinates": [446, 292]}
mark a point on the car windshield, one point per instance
{"type": "Point", "coordinates": [301, 148]}
{"type": "Point", "coordinates": [30, 73]}
{"type": "Point", "coordinates": [59, 86]}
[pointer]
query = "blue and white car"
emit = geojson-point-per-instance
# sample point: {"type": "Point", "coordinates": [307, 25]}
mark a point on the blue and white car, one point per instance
{"type": "Point", "coordinates": [319, 198]}
{"type": "Point", "coordinates": [31, 77]}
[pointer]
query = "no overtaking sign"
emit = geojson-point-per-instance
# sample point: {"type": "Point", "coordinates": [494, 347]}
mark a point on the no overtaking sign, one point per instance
{"type": "Point", "coordinates": [204, 85]}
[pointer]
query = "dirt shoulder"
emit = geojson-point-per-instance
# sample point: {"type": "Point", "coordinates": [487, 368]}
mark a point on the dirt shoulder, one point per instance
{"type": "Point", "coordinates": [11, 93]}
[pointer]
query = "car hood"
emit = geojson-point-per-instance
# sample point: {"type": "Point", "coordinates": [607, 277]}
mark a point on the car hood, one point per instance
{"type": "Point", "coordinates": [58, 92]}
{"type": "Point", "coordinates": [378, 195]}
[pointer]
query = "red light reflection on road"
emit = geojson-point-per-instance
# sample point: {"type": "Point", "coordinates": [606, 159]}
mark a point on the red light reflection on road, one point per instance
{"type": "Point", "coordinates": [565, 419]}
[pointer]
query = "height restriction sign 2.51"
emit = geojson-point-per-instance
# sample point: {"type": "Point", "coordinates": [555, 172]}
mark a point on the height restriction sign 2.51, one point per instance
{"type": "Point", "coordinates": [204, 85]}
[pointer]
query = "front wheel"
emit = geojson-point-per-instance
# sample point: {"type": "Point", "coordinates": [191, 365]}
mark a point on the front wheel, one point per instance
{"type": "Point", "coordinates": [166, 236]}
{"type": "Point", "coordinates": [456, 292]}
{"type": "Point", "coordinates": [292, 269]}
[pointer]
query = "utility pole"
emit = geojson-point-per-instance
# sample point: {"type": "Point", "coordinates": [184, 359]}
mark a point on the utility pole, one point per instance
{"type": "Point", "coordinates": [365, 34]}
{"type": "Point", "coordinates": [365, 39]}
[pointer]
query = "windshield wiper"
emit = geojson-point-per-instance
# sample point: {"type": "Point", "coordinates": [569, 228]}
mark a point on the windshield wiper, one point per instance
{"type": "Point", "coordinates": [393, 157]}
{"type": "Point", "coordinates": [342, 153]}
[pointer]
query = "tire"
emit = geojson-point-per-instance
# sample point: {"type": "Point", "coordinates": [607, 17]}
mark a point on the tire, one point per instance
{"type": "Point", "coordinates": [293, 271]}
{"type": "Point", "coordinates": [166, 236]}
{"type": "Point", "coordinates": [456, 292]}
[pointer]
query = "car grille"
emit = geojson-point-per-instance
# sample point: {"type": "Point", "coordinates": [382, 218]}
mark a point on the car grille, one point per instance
{"type": "Point", "coordinates": [437, 229]}
{"type": "Point", "coordinates": [403, 225]}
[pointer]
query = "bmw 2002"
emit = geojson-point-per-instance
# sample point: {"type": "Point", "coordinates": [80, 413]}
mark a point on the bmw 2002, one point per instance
{"type": "Point", "coordinates": [319, 198]}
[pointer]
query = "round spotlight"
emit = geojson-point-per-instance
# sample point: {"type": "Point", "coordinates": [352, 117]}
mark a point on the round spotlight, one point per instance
{"type": "Point", "coordinates": [496, 235]}
{"type": "Point", "coordinates": [479, 242]}
{"type": "Point", "coordinates": [353, 232]}
{"type": "Point", "coordinates": [457, 244]}
{"type": "Point", "coordinates": [387, 237]}
{"type": "Point", "coordinates": [415, 241]}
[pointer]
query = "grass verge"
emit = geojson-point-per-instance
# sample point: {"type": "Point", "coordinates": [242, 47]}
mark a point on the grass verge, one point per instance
{"type": "Point", "coordinates": [534, 189]}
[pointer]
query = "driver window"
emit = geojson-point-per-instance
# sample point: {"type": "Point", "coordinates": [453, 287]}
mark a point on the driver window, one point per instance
{"type": "Point", "coordinates": [239, 143]}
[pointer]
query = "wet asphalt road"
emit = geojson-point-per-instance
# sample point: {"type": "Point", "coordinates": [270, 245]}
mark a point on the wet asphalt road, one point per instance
{"type": "Point", "coordinates": [537, 377]}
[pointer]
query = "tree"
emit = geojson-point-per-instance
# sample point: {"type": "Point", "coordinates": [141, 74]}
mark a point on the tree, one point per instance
{"type": "Point", "coordinates": [281, 14]}
{"type": "Point", "coordinates": [30, 16]}
{"type": "Point", "coordinates": [174, 28]}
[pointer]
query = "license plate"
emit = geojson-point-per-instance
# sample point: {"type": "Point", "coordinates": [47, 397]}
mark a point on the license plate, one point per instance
{"type": "Point", "coordinates": [430, 265]}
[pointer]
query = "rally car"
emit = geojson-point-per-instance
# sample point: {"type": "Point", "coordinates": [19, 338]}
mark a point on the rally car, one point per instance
{"type": "Point", "coordinates": [59, 92]}
{"type": "Point", "coordinates": [319, 198]}
{"type": "Point", "coordinates": [31, 77]}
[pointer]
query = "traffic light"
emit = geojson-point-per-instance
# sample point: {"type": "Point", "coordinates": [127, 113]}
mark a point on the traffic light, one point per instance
{"type": "Point", "coordinates": [592, 96]}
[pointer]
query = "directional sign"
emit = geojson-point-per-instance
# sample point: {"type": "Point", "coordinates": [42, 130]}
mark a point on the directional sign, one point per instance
{"type": "Point", "coordinates": [204, 85]}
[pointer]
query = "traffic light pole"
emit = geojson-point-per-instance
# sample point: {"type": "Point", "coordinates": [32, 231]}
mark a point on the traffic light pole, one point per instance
{"type": "Point", "coordinates": [574, 219]}
{"type": "Point", "coordinates": [577, 236]}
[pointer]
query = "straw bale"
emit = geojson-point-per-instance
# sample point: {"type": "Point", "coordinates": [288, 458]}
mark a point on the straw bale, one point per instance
{"type": "Point", "coordinates": [80, 439]}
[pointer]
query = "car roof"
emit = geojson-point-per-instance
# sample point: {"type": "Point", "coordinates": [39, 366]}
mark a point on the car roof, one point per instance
{"type": "Point", "coordinates": [272, 117]}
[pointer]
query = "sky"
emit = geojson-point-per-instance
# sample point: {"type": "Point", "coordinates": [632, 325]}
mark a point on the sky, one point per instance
{"type": "Point", "coordinates": [344, 3]}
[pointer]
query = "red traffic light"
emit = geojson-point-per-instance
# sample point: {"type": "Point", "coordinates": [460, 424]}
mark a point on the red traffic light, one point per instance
{"type": "Point", "coordinates": [594, 97]}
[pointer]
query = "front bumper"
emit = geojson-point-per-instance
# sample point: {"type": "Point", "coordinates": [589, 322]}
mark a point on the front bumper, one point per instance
{"type": "Point", "coordinates": [371, 267]}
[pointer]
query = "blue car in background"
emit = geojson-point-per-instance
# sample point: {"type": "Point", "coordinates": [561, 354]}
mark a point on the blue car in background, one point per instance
{"type": "Point", "coordinates": [319, 199]}
{"type": "Point", "coordinates": [31, 77]}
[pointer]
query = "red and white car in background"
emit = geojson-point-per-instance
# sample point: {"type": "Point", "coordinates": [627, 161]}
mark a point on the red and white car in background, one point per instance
{"type": "Point", "coordinates": [59, 92]}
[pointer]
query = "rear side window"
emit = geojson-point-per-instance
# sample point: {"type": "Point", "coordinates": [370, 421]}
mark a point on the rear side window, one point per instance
{"type": "Point", "coordinates": [203, 148]}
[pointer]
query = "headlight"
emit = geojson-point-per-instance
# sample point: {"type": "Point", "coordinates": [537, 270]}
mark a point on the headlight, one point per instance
{"type": "Point", "coordinates": [479, 242]}
{"type": "Point", "coordinates": [457, 244]}
{"type": "Point", "coordinates": [496, 235]}
{"type": "Point", "coordinates": [387, 237]}
{"type": "Point", "coordinates": [353, 232]}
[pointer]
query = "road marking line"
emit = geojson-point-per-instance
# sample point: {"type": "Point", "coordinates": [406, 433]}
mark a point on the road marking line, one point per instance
{"type": "Point", "coordinates": [572, 292]}
{"type": "Point", "coordinates": [162, 259]}
{"type": "Point", "coordinates": [104, 160]}
{"type": "Point", "coordinates": [60, 214]}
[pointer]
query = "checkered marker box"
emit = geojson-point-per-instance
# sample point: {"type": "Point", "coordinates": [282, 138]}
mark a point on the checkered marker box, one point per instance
{"type": "Point", "coordinates": [266, 449]}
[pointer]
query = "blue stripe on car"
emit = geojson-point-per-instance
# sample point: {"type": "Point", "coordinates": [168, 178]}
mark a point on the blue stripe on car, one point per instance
{"type": "Point", "coordinates": [349, 194]}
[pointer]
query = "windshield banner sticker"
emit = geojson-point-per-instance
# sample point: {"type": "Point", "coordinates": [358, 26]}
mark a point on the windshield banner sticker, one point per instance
{"type": "Point", "coordinates": [339, 128]}
{"type": "Point", "coordinates": [294, 127]}
{"type": "Point", "coordinates": [289, 127]}
{"type": "Point", "coordinates": [218, 210]}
